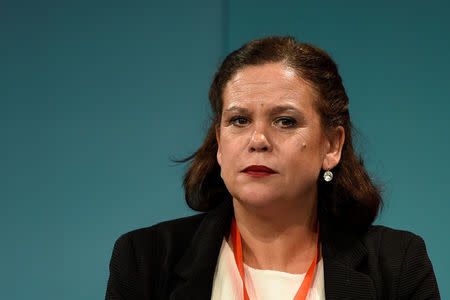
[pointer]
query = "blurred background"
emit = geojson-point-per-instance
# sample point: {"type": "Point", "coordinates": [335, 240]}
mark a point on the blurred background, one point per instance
{"type": "Point", "coordinates": [97, 97]}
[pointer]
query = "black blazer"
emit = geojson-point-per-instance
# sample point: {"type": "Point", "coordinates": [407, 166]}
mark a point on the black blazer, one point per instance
{"type": "Point", "coordinates": [177, 260]}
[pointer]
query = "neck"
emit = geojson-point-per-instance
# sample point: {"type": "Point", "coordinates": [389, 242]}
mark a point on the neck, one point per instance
{"type": "Point", "coordinates": [276, 238]}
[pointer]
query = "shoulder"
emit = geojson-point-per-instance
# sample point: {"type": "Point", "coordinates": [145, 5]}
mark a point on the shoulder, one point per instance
{"type": "Point", "coordinates": [402, 259]}
{"type": "Point", "coordinates": [395, 247]}
{"type": "Point", "coordinates": [141, 256]}
{"type": "Point", "coordinates": [383, 238]}
{"type": "Point", "coordinates": [393, 264]}
{"type": "Point", "coordinates": [383, 247]}
{"type": "Point", "coordinates": [171, 227]}
{"type": "Point", "coordinates": [174, 233]}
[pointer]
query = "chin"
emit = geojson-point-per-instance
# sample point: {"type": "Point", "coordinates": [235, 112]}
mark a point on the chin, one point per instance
{"type": "Point", "coordinates": [258, 198]}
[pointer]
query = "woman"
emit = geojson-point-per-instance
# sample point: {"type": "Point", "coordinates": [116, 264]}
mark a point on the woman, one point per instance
{"type": "Point", "coordinates": [288, 205]}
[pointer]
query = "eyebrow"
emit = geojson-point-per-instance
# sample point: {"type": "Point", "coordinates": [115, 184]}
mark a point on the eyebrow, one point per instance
{"type": "Point", "coordinates": [273, 111]}
{"type": "Point", "coordinates": [284, 108]}
{"type": "Point", "coordinates": [237, 109]}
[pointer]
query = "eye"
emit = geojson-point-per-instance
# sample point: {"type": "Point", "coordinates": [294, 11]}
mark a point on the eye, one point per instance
{"type": "Point", "coordinates": [239, 121]}
{"type": "Point", "coordinates": [285, 122]}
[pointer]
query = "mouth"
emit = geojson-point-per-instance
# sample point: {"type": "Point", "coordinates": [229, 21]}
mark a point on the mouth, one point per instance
{"type": "Point", "coordinates": [258, 171]}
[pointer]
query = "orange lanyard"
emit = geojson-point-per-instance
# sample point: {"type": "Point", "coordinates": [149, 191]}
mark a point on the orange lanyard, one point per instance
{"type": "Point", "coordinates": [237, 249]}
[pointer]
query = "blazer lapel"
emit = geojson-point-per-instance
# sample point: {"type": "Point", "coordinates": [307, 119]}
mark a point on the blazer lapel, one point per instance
{"type": "Point", "coordinates": [343, 254]}
{"type": "Point", "coordinates": [196, 268]}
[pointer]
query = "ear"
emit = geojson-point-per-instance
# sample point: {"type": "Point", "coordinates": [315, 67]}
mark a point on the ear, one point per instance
{"type": "Point", "coordinates": [219, 148]}
{"type": "Point", "coordinates": [333, 152]}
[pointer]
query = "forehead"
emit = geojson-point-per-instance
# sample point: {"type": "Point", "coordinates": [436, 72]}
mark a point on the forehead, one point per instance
{"type": "Point", "coordinates": [268, 84]}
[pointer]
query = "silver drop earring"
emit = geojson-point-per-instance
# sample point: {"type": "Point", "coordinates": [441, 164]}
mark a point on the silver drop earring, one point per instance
{"type": "Point", "coordinates": [328, 176]}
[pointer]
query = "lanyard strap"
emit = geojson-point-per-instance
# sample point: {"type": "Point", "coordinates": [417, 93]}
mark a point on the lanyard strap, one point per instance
{"type": "Point", "coordinates": [237, 249]}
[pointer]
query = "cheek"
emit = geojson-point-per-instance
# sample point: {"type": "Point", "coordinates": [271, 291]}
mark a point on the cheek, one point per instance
{"type": "Point", "coordinates": [304, 148]}
{"type": "Point", "coordinates": [230, 143]}
{"type": "Point", "coordinates": [300, 142]}
{"type": "Point", "coordinates": [226, 151]}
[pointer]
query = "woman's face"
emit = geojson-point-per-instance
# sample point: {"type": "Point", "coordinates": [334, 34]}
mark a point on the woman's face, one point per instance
{"type": "Point", "coordinates": [271, 145]}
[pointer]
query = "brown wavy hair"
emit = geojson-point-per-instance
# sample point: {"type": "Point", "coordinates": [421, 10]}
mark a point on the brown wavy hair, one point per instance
{"type": "Point", "coordinates": [351, 198]}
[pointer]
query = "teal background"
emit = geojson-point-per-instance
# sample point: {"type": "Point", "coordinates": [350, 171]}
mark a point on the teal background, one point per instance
{"type": "Point", "coordinates": [97, 96]}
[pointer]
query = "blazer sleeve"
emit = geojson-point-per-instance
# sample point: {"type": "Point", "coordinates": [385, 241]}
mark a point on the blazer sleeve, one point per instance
{"type": "Point", "coordinates": [123, 269]}
{"type": "Point", "coordinates": [417, 279]}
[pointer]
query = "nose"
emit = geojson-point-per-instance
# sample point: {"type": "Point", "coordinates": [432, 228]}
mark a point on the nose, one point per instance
{"type": "Point", "coordinates": [259, 142]}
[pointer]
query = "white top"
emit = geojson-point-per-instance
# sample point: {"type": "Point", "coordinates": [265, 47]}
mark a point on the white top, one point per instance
{"type": "Point", "coordinates": [261, 284]}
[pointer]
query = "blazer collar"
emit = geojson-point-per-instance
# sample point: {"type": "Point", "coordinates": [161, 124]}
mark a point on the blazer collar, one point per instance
{"type": "Point", "coordinates": [197, 266]}
{"type": "Point", "coordinates": [342, 251]}
{"type": "Point", "coordinates": [343, 254]}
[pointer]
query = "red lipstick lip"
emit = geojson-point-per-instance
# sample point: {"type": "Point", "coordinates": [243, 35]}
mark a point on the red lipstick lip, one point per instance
{"type": "Point", "coordinates": [258, 169]}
